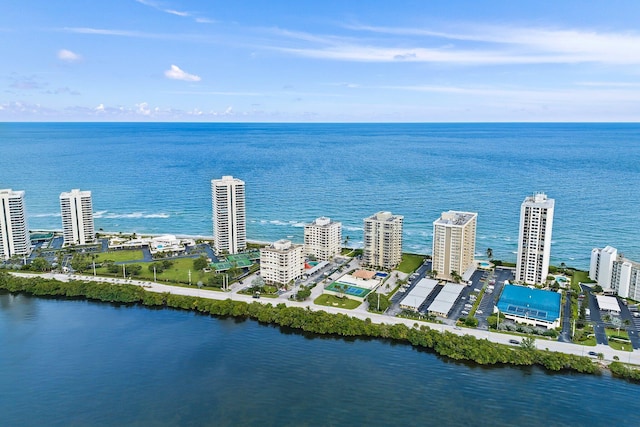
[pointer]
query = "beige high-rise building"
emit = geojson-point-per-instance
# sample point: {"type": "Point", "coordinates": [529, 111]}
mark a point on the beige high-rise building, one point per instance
{"type": "Point", "coordinates": [281, 262]}
{"type": "Point", "coordinates": [229, 215]}
{"type": "Point", "coordinates": [534, 241]}
{"type": "Point", "coordinates": [77, 217]}
{"type": "Point", "coordinates": [383, 240]}
{"type": "Point", "coordinates": [323, 238]}
{"type": "Point", "coordinates": [454, 243]}
{"type": "Point", "coordinates": [14, 233]}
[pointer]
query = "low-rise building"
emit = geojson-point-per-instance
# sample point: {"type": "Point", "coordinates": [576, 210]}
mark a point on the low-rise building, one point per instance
{"type": "Point", "coordinates": [281, 262]}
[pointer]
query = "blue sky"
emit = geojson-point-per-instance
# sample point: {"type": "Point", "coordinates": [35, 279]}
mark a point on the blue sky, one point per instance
{"type": "Point", "coordinates": [320, 61]}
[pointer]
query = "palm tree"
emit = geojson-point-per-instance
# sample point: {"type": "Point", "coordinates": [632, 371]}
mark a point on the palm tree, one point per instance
{"type": "Point", "coordinates": [489, 253]}
{"type": "Point", "coordinates": [346, 241]}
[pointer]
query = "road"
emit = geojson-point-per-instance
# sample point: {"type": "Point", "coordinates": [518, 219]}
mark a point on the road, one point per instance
{"type": "Point", "coordinates": [596, 319]}
{"type": "Point", "coordinates": [627, 317]}
{"type": "Point", "coordinates": [608, 352]}
{"type": "Point", "coordinates": [565, 335]}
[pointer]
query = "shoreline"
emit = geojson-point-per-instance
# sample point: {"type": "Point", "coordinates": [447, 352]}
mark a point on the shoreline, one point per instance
{"type": "Point", "coordinates": [179, 236]}
{"type": "Point", "coordinates": [444, 340]}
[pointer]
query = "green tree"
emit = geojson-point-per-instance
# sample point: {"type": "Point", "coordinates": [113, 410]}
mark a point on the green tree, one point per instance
{"type": "Point", "coordinates": [215, 280]}
{"type": "Point", "coordinates": [528, 343]}
{"type": "Point", "coordinates": [373, 299]}
{"type": "Point", "coordinates": [471, 321]}
{"type": "Point", "coordinates": [134, 269]}
{"type": "Point", "coordinates": [79, 262]}
{"type": "Point", "coordinates": [200, 263]}
{"type": "Point", "coordinates": [489, 253]}
{"type": "Point", "coordinates": [455, 276]}
{"type": "Point", "coordinates": [40, 264]}
{"type": "Point", "coordinates": [303, 294]}
{"type": "Point", "coordinates": [597, 288]}
{"type": "Point", "coordinates": [158, 267]}
{"type": "Point", "coordinates": [234, 271]}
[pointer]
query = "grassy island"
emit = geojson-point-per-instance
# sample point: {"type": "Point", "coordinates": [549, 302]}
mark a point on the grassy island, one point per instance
{"type": "Point", "coordinates": [458, 347]}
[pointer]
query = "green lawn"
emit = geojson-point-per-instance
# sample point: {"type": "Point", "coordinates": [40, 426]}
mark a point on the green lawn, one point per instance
{"type": "Point", "coordinates": [334, 301]}
{"type": "Point", "coordinates": [589, 341]}
{"type": "Point", "coordinates": [410, 263]}
{"type": "Point", "coordinates": [120, 256]}
{"type": "Point", "coordinates": [612, 332]}
{"type": "Point", "coordinates": [577, 277]}
{"type": "Point", "coordinates": [179, 272]}
{"type": "Point", "coordinates": [620, 346]}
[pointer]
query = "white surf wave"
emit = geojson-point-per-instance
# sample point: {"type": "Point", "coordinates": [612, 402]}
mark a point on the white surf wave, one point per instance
{"type": "Point", "coordinates": [133, 215]}
{"type": "Point", "coordinates": [46, 215]}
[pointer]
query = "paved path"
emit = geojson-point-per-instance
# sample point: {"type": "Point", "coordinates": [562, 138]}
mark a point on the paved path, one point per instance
{"type": "Point", "coordinates": [608, 352]}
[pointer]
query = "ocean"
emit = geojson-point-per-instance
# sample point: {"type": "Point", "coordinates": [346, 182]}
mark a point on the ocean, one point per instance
{"type": "Point", "coordinates": [79, 363]}
{"type": "Point", "coordinates": [155, 177]}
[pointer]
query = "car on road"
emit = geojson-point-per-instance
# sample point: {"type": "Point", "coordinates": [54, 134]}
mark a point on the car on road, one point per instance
{"type": "Point", "coordinates": [592, 353]}
{"type": "Point", "coordinates": [514, 342]}
{"type": "Point", "coordinates": [478, 311]}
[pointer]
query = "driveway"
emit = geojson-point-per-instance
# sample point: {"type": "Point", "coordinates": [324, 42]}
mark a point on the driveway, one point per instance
{"type": "Point", "coordinates": [625, 315]}
{"type": "Point", "coordinates": [596, 319]}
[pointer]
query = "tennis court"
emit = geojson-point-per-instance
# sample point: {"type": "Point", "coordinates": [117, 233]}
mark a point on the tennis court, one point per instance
{"type": "Point", "coordinates": [348, 289]}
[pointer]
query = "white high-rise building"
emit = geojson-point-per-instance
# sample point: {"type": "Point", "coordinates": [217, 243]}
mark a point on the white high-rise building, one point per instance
{"type": "Point", "coordinates": [383, 240]}
{"type": "Point", "coordinates": [534, 241]}
{"type": "Point", "coordinates": [229, 215]}
{"type": "Point", "coordinates": [77, 217]}
{"type": "Point", "coordinates": [601, 266]}
{"type": "Point", "coordinates": [323, 238]}
{"type": "Point", "coordinates": [615, 273]}
{"type": "Point", "coordinates": [281, 262]}
{"type": "Point", "coordinates": [454, 243]}
{"type": "Point", "coordinates": [14, 233]}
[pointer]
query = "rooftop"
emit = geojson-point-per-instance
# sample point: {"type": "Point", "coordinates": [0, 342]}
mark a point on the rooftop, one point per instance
{"type": "Point", "coordinates": [455, 218]}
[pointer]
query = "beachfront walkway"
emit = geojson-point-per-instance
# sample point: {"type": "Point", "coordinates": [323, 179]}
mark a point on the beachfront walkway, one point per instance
{"type": "Point", "coordinates": [608, 352]}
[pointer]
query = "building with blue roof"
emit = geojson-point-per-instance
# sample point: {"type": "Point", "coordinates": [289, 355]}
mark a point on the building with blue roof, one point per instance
{"type": "Point", "coordinates": [531, 306]}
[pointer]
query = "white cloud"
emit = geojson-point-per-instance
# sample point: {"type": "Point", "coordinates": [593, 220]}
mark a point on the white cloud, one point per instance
{"type": "Point", "coordinates": [100, 109]}
{"type": "Point", "coordinates": [176, 73]}
{"type": "Point", "coordinates": [177, 13]}
{"type": "Point", "coordinates": [475, 45]}
{"type": "Point", "coordinates": [68, 56]}
{"type": "Point", "coordinates": [143, 109]}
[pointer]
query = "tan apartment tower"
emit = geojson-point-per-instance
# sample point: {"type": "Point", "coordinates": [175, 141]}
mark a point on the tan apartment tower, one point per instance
{"type": "Point", "coordinates": [281, 262]}
{"type": "Point", "coordinates": [229, 215]}
{"type": "Point", "coordinates": [14, 233]}
{"type": "Point", "coordinates": [323, 239]}
{"type": "Point", "coordinates": [77, 217]}
{"type": "Point", "coordinates": [383, 240]}
{"type": "Point", "coordinates": [454, 243]}
{"type": "Point", "coordinates": [534, 240]}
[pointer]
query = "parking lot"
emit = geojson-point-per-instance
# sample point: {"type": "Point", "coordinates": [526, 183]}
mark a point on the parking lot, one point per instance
{"type": "Point", "coordinates": [491, 296]}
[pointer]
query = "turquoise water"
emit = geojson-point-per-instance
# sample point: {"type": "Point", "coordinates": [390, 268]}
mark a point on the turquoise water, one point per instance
{"type": "Point", "coordinates": [87, 364]}
{"type": "Point", "coordinates": [155, 177]}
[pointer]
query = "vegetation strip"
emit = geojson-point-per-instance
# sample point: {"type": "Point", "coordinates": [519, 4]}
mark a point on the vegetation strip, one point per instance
{"type": "Point", "coordinates": [459, 347]}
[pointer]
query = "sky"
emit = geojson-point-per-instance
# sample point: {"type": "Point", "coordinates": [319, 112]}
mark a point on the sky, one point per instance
{"type": "Point", "coordinates": [320, 61]}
